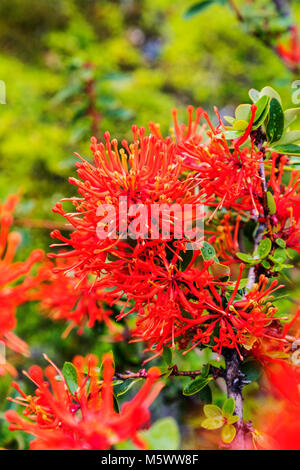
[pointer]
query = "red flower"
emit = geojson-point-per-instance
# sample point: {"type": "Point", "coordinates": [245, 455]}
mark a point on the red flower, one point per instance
{"type": "Point", "coordinates": [11, 296]}
{"type": "Point", "coordinates": [146, 172]}
{"type": "Point", "coordinates": [64, 297]}
{"type": "Point", "coordinates": [291, 53]}
{"type": "Point", "coordinates": [286, 220]}
{"type": "Point", "coordinates": [226, 177]}
{"type": "Point", "coordinates": [86, 420]}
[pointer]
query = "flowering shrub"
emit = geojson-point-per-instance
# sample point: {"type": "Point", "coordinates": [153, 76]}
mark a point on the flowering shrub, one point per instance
{"type": "Point", "coordinates": [178, 293]}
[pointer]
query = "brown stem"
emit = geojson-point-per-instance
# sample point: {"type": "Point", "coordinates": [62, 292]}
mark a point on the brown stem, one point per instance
{"type": "Point", "coordinates": [142, 373]}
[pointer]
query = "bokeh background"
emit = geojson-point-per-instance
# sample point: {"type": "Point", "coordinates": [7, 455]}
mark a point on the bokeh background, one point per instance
{"type": "Point", "coordinates": [74, 68]}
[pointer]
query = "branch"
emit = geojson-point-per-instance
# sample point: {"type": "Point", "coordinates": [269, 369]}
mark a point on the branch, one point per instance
{"type": "Point", "coordinates": [143, 374]}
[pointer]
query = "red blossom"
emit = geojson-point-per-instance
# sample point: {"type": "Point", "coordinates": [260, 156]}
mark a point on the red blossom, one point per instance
{"type": "Point", "coordinates": [86, 420]}
{"type": "Point", "coordinates": [14, 289]}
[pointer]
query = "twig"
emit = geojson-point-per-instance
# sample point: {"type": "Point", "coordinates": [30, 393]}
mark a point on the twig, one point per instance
{"type": "Point", "coordinates": [143, 374]}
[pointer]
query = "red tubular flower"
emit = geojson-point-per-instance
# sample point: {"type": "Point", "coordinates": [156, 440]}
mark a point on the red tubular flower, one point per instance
{"type": "Point", "coordinates": [11, 296]}
{"type": "Point", "coordinates": [286, 220]}
{"type": "Point", "coordinates": [64, 297]}
{"type": "Point", "coordinates": [86, 420]}
{"type": "Point", "coordinates": [227, 177]}
{"type": "Point", "coordinates": [291, 53]}
{"type": "Point", "coordinates": [146, 172]}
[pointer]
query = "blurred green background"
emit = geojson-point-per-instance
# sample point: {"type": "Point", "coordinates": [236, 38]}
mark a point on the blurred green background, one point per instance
{"type": "Point", "coordinates": [74, 68]}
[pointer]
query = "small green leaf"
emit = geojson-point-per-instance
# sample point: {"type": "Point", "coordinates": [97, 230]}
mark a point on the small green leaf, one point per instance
{"type": "Point", "coordinates": [228, 407]}
{"type": "Point", "coordinates": [228, 433]}
{"type": "Point", "coordinates": [232, 419]}
{"type": "Point", "coordinates": [269, 91]}
{"type": "Point", "coordinates": [240, 125]}
{"type": "Point", "coordinates": [288, 149]}
{"type": "Point", "coordinates": [229, 119]}
{"type": "Point", "coordinates": [163, 435]}
{"type": "Point", "coordinates": [254, 95]}
{"type": "Point", "coordinates": [264, 248]}
{"type": "Point", "coordinates": [279, 255]}
{"type": "Point", "coordinates": [242, 112]}
{"type": "Point", "coordinates": [265, 264]}
{"type": "Point", "coordinates": [116, 404]}
{"type": "Point", "coordinates": [195, 385]}
{"type": "Point", "coordinates": [213, 423]}
{"type": "Point", "coordinates": [212, 411]}
{"type": "Point", "coordinates": [231, 135]}
{"type": "Point", "coordinates": [70, 375]}
{"type": "Point", "coordinates": [242, 284]}
{"type": "Point", "coordinates": [197, 8]}
{"type": "Point", "coordinates": [275, 124]}
{"type": "Point", "coordinates": [280, 242]}
{"type": "Point", "coordinates": [245, 257]}
{"type": "Point", "coordinates": [125, 386]}
{"type": "Point", "coordinates": [207, 251]}
{"type": "Point", "coordinates": [261, 111]}
{"type": "Point", "coordinates": [167, 356]}
{"type": "Point", "coordinates": [271, 203]}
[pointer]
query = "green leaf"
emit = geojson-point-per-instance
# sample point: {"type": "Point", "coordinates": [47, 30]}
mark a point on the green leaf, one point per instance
{"type": "Point", "coordinates": [212, 411]}
{"type": "Point", "coordinates": [265, 264]}
{"type": "Point", "coordinates": [245, 257]}
{"type": "Point", "coordinates": [242, 112]}
{"type": "Point", "coordinates": [205, 395]}
{"type": "Point", "coordinates": [240, 125]}
{"type": "Point", "coordinates": [197, 8]}
{"type": "Point", "coordinates": [229, 119]}
{"type": "Point", "coordinates": [213, 423]}
{"type": "Point", "coordinates": [271, 203]}
{"type": "Point", "coordinates": [125, 386]}
{"type": "Point", "coordinates": [269, 91]}
{"type": "Point", "coordinates": [231, 135]}
{"type": "Point", "coordinates": [163, 435]}
{"type": "Point", "coordinates": [242, 284]}
{"type": "Point", "coordinates": [279, 255]}
{"type": "Point", "coordinates": [280, 242]}
{"type": "Point", "coordinates": [167, 356]}
{"type": "Point", "coordinates": [290, 115]}
{"type": "Point", "coordinates": [275, 125]}
{"type": "Point", "coordinates": [251, 369]}
{"type": "Point", "coordinates": [289, 138]}
{"type": "Point", "coordinates": [254, 95]}
{"type": "Point", "coordinates": [70, 375]}
{"type": "Point", "coordinates": [116, 404]}
{"type": "Point", "coordinates": [288, 149]}
{"type": "Point", "coordinates": [228, 433]}
{"type": "Point", "coordinates": [207, 251]}
{"type": "Point", "coordinates": [228, 407]}
{"type": "Point", "coordinates": [262, 111]}
{"type": "Point", "coordinates": [264, 248]}
{"type": "Point", "coordinates": [194, 386]}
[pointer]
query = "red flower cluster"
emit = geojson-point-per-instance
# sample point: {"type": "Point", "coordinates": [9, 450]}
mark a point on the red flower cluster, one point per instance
{"type": "Point", "coordinates": [85, 420]}
{"type": "Point", "coordinates": [226, 177]}
{"type": "Point", "coordinates": [291, 53]}
{"type": "Point", "coordinates": [287, 200]}
{"type": "Point", "coordinates": [13, 290]}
